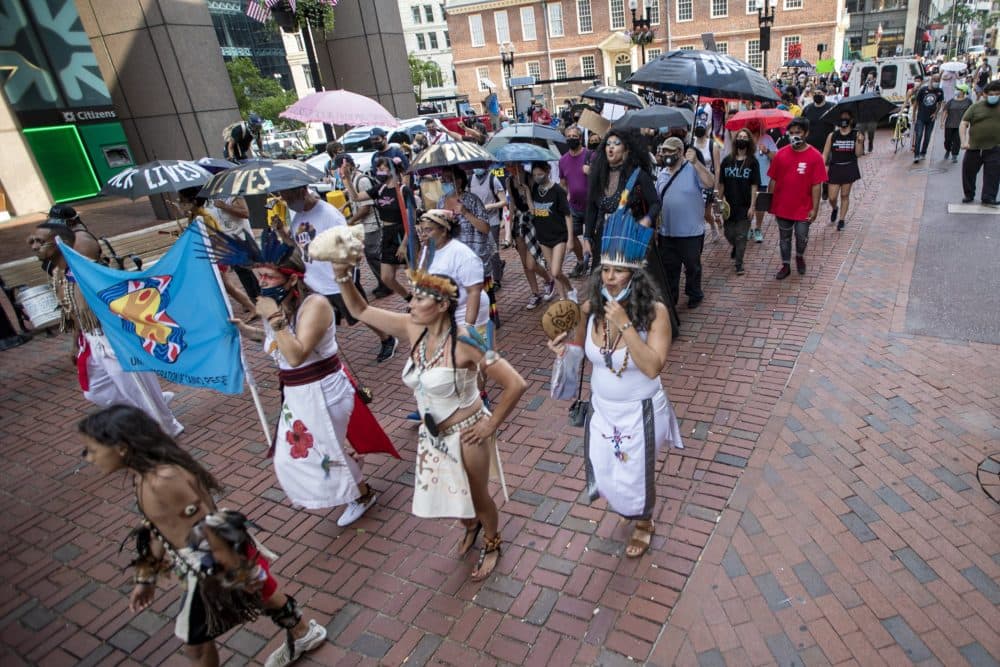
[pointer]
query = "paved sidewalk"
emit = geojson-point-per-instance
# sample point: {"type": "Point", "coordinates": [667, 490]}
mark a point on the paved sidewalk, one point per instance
{"type": "Point", "coordinates": [850, 535]}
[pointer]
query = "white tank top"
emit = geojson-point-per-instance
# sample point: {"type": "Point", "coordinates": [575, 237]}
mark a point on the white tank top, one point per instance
{"type": "Point", "coordinates": [325, 348]}
{"type": "Point", "coordinates": [633, 385]}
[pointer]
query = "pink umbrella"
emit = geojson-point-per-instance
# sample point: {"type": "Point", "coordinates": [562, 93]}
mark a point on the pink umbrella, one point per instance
{"type": "Point", "coordinates": [339, 107]}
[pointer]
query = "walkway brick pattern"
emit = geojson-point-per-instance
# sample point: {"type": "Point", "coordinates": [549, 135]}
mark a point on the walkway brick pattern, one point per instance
{"type": "Point", "coordinates": [850, 536]}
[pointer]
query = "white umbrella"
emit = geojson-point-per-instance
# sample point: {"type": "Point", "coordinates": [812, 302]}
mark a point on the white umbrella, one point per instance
{"type": "Point", "coordinates": [953, 66]}
{"type": "Point", "coordinates": [339, 107]}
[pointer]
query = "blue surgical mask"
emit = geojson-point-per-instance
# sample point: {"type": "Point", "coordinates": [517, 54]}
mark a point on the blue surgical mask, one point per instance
{"type": "Point", "coordinates": [277, 292]}
{"type": "Point", "coordinates": [479, 172]}
{"type": "Point", "coordinates": [993, 100]}
{"type": "Point", "coordinates": [448, 189]}
{"type": "Point", "coordinates": [621, 295]}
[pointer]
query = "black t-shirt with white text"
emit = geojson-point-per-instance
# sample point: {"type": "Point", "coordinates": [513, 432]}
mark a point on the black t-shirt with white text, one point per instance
{"type": "Point", "coordinates": [928, 102]}
{"type": "Point", "coordinates": [738, 175]}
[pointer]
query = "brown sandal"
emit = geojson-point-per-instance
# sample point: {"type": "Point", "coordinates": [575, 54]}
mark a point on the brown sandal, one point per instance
{"type": "Point", "coordinates": [469, 539]}
{"type": "Point", "coordinates": [490, 544]}
{"type": "Point", "coordinates": [641, 537]}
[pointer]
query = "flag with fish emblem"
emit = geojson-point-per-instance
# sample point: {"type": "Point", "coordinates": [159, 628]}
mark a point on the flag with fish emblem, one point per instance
{"type": "Point", "coordinates": [171, 318]}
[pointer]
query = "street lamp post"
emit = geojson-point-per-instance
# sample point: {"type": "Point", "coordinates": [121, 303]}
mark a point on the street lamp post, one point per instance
{"type": "Point", "coordinates": [641, 33]}
{"type": "Point", "coordinates": [507, 59]}
{"type": "Point", "coordinates": [765, 19]}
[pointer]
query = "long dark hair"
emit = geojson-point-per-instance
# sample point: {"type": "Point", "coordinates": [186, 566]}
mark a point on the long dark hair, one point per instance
{"type": "Point", "coordinates": [640, 304]}
{"type": "Point", "coordinates": [600, 170]}
{"type": "Point", "coordinates": [146, 445]}
{"type": "Point", "coordinates": [293, 262]}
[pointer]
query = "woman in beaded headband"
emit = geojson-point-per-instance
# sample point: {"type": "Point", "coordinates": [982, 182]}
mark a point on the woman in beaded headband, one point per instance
{"type": "Point", "coordinates": [456, 449]}
{"type": "Point", "coordinates": [626, 335]}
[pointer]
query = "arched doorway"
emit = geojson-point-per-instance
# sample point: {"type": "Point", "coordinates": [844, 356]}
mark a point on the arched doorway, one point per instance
{"type": "Point", "coordinates": [623, 68]}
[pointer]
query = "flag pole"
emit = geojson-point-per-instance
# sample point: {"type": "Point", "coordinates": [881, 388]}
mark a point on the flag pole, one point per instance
{"type": "Point", "coordinates": [247, 373]}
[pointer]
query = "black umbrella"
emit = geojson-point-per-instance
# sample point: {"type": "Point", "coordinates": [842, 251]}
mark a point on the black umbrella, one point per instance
{"type": "Point", "coordinates": [614, 95]}
{"type": "Point", "coordinates": [259, 177]}
{"type": "Point", "coordinates": [706, 74]}
{"type": "Point", "coordinates": [655, 116]}
{"type": "Point", "coordinates": [463, 153]}
{"type": "Point", "coordinates": [528, 131]}
{"type": "Point", "coordinates": [797, 62]}
{"type": "Point", "coordinates": [866, 108]}
{"type": "Point", "coordinates": [214, 164]}
{"type": "Point", "coordinates": [155, 178]}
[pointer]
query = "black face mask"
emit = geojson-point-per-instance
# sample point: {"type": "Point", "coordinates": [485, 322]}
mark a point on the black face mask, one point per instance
{"type": "Point", "coordinates": [277, 292]}
{"type": "Point", "coordinates": [844, 122]}
{"type": "Point", "coordinates": [594, 145]}
{"type": "Point", "coordinates": [818, 99]}
{"type": "Point", "coordinates": [700, 132]}
{"type": "Point", "coordinates": [383, 178]}
{"type": "Point", "coordinates": [670, 160]}
{"type": "Point", "coordinates": [573, 143]}
{"type": "Point", "coordinates": [741, 144]}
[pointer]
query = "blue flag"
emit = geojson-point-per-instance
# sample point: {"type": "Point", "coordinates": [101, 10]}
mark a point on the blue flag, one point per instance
{"type": "Point", "coordinates": [171, 319]}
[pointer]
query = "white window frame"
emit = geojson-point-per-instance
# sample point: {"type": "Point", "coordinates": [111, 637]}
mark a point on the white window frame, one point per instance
{"type": "Point", "coordinates": [751, 7]}
{"type": "Point", "coordinates": [677, 10]}
{"type": "Point", "coordinates": [555, 69]}
{"type": "Point", "coordinates": [653, 53]}
{"type": "Point", "coordinates": [536, 65]}
{"type": "Point", "coordinates": [429, 19]}
{"type": "Point", "coordinates": [654, 15]}
{"type": "Point", "coordinates": [482, 73]}
{"type": "Point", "coordinates": [786, 40]}
{"type": "Point", "coordinates": [588, 14]}
{"type": "Point", "coordinates": [583, 66]}
{"type": "Point", "coordinates": [415, 14]}
{"type": "Point", "coordinates": [687, 47]}
{"type": "Point", "coordinates": [555, 8]}
{"type": "Point", "coordinates": [526, 35]}
{"type": "Point", "coordinates": [432, 40]}
{"type": "Point", "coordinates": [793, 5]}
{"type": "Point", "coordinates": [476, 27]}
{"type": "Point", "coordinates": [722, 47]}
{"type": "Point", "coordinates": [748, 55]}
{"type": "Point", "coordinates": [421, 41]}
{"type": "Point", "coordinates": [300, 45]}
{"type": "Point", "coordinates": [712, 13]}
{"type": "Point", "coordinates": [611, 14]}
{"type": "Point", "coordinates": [500, 21]}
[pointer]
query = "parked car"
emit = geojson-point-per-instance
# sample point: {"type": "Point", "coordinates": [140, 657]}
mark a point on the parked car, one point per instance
{"type": "Point", "coordinates": [895, 76]}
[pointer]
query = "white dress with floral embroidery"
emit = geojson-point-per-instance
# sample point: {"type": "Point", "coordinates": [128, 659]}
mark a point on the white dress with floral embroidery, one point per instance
{"type": "Point", "coordinates": [310, 459]}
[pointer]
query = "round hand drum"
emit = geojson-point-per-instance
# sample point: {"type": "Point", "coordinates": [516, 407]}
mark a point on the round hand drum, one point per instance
{"type": "Point", "coordinates": [560, 317]}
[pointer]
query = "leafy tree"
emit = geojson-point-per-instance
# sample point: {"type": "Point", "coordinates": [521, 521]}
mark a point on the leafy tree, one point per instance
{"type": "Point", "coordinates": [258, 93]}
{"type": "Point", "coordinates": [963, 16]}
{"type": "Point", "coordinates": [422, 72]}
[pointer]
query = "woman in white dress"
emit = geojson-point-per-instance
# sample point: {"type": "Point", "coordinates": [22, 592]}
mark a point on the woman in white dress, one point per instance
{"type": "Point", "coordinates": [456, 447]}
{"type": "Point", "coordinates": [311, 458]}
{"type": "Point", "coordinates": [626, 338]}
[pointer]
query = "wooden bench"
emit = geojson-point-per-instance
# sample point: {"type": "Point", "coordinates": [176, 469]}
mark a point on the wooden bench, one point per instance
{"type": "Point", "coordinates": [149, 244]}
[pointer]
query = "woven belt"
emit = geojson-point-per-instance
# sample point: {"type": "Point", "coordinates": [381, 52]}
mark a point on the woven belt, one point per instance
{"type": "Point", "coordinates": [458, 426]}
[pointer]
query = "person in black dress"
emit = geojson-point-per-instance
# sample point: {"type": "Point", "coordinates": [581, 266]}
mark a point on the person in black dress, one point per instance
{"type": "Point", "coordinates": [843, 146]}
{"type": "Point", "coordinates": [553, 223]}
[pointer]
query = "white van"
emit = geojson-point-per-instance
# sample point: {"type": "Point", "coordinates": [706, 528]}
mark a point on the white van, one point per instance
{"type": "Point", "coordinates": [896, 76]}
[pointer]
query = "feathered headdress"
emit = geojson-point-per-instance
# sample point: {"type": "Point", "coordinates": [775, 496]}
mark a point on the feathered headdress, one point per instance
{"type": "Point", "coordinates": [425, 283]}
{"type": "Point", "coordinates": [624, 241]}
{"type": "Point", "coordinates": [242, 251]}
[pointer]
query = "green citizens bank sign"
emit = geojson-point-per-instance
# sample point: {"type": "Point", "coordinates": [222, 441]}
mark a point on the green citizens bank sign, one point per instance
{"type": "Point", "coordinates": [51, 81]}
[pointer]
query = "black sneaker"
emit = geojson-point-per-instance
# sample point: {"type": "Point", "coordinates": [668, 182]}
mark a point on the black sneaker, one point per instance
{"type": "Point", "coordinates": [833, 214]}
{"type": "Point", "coordinates": [694, 303]}
{"type": "Point", "coordinates": [783, 272]}
{"type": "Point", "coordinates": [739, 270]}
{"type": "Point", "coordinates": [800, 265]}
{"type": "Point", "coordinates": [388, 349]}
{"type": "Point", "coordinates": [840, 225]}
{"type": "Point", "coordinates": [968, 200]}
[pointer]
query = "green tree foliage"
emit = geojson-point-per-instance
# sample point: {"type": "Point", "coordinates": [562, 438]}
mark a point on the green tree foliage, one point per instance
{"type": "Point", "coordinates": [422, 72]}
{"type": "Point", "coordinates": [262, 94]}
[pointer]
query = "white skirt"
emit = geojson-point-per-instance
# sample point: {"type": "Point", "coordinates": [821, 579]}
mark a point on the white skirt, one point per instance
{"type": "Point", "coordinates": [621, 441]}
{"type": "Point", "coordinates": [310, 459]}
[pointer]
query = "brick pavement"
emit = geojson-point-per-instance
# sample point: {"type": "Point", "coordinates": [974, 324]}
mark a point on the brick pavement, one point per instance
{"type": "Point", "coordinates": [844, 539]}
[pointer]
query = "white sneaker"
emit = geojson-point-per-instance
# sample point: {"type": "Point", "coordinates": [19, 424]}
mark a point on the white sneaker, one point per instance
{"type": "Point", "coordinates": [573, 296]}
{"type": "Point", "coordinates": [315, 636]}
{"type": "Point", "coordinates": [168, 396]}
{"type": "Point", "coordinates": [355, 509]}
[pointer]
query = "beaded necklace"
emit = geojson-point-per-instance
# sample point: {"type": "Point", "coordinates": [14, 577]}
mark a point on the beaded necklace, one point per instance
{"type": "Point", "coordinates": [609, 348]}
{"type": "Point", "coordinates": [423, 362]}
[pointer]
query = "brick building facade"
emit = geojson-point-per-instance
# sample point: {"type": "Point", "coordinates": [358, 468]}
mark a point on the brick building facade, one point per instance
{"type": "Point", "coordinates": [573, 38]}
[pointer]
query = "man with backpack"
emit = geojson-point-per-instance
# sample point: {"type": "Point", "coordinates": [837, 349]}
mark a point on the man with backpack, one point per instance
{"type": "Point", "coordinates": [485, 185]}
{"type": "Point", "coordinates": [240, 137]}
